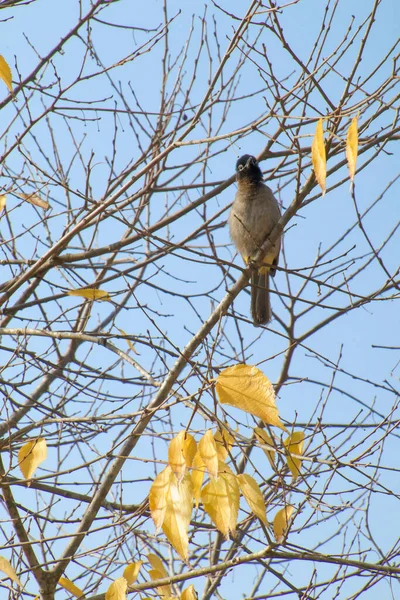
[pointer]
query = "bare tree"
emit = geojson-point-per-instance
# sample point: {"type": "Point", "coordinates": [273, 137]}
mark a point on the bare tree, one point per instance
{"type": "Point", "coordinates": [118, 151]}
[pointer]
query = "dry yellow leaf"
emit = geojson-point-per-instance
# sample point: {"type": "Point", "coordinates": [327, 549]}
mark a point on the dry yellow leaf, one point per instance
{"type": "Point", "coordinates": [131, 346]}
{"type": "Point", "coordinates": [31, 455]}
{"type": "Point", "coordinates": [165, 590]}
{"type": "Point", "coordinates": [247, 388]}
{"type": "Point", "coordinates": [253, 496]}
{"type": "Point", "coordinates": [157, 564]}
{"type": "Point", "coordinates": [318, 156]}
{"type": "Point", "coordinates": [5, 73]}
{"type": "Point", "coordinates": [224, 442]}
{"type": "Point", "coordinates": [267, 442]}
{"type": "Point", "coordinates": [189, 449]}
{"type": "Point", "coordinates": [131, 571]}
{"type": "Point", "coordinates": [71, 587]}
{"type": "Point", "coordinates": [294, 445]}
{"type": "Point", "coordinates": [352, 147]}
{"type": "Point", "coordinates": [221, 499]}
{"type": "Point", "coordinates": [181, 452]}
{"type": "Point", "coordinates": [9, 570]}
{"type": "Point", "coordinates": [90, 294]}
{"type": "Point", "coordinates": [282, 522]}
{"type": "Point", "coordinates": [3, 201]}
{"type": "Point", "coordinates": [117, 590]}
{"type": "Point", "coordinates": [158, 497]}
{"type": "Point", "coordinates": [176, 457]}
{"type": "Point", "coordinates": [178, 513]}
{"type": "Point", "coordinates": [209, 454]}
{"type": "Point", "coordinates": [35, 199]}
{"type": "Point", "coordinates": [198, 471]}
{"type": "Point", "coordinates": [189, 593]}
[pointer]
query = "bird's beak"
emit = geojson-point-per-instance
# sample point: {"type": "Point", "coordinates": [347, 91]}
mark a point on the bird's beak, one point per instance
{"type": "Point", "coordinates": [249, 163]}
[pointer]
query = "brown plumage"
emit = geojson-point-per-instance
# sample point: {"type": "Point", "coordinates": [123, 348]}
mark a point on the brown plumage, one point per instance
{"type": "Point", "coordinates": [254, 214]}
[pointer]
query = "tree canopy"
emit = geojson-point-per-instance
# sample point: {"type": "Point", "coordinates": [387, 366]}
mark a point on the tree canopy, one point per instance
{"type": "Point", "coordinates": [154, 443]}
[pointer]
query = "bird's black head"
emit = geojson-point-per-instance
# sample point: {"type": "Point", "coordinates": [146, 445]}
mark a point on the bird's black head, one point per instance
{"type": "Point", "coordinates": [247, 168]}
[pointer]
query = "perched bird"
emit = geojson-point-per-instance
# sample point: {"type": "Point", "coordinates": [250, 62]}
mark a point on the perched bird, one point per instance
{"type": "Point", "coordinates": [254, 214]}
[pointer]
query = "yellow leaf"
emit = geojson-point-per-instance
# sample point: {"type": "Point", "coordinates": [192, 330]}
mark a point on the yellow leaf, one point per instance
{"type": "Point", "coordinates": [131, 571]}
{"type": "Point", "coordinates": [31, 455]}
{"type": "Point", "coordinates": [9, 571]}
{"type": "Point", "coordinates": [352, 147]}
{"type": "Point", "coordinates": [90, 294]}
{"type": "Point", "coordinates": [189, 449]}
{"type": "Point", "coordinates": [282, 522]}
{"type": "Point", "coordinates": [178, 513]}
{"type": "Point", "coordinates": [198, 471]}
{"type": "Point", "coordinates": [247, 388]}
{"type": "Point", "coordinates": [253, 496]}
{"type": "Point", "coordinates": [71, 587]}
{"type": "Point", "coordinates": [176, 459]}
{"type": "Point", "coordinates": [158, 497]}
{"type": "Point", "coordinates": [5, 73]}
{"type": "Point", "coordinates": [3, 201]}
{"type": "Point", "coordinates": [294, 445]}
{"type": "Point", "coordinates": [267, 442]}
{"type": "Point", "coordinates": [165, 590]}
{"type": "Point", "coordinates": [157, 565]}
{"type": "Point", "coordinates": [221, 500]}
{"type": "Point", "coordinates": [224, 442]}
{"type": "Point", "coordinates": [181, 452]}
{"type": "Point", "coordinates": [131, 346]}
{"type": "Point", "coordinates": [209, 454]}
{"type": "Point", "coordinates": [189, 593]}
{"type": "Point", "coordinates": [117, 590]}
{"type": "Point", "coordinates": [35, 199]}
{"type": "Point", "coordinates": [318, 156]}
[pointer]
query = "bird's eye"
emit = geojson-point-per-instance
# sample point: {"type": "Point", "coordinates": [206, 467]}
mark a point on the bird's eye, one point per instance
{"type": "Point", "coordinates": [240, 167]}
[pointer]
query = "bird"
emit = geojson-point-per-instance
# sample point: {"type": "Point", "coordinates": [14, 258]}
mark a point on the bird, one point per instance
{"type": "Point", "coordinates": [254, 213]}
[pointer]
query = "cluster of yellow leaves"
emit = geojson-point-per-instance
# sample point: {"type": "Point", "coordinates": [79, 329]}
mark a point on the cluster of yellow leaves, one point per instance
{"type": "Point", "coordinates": [118, 588]}
{"type": "Point", "coordinates": [171, 495]}
{"type": "Point", "coordinates": [180, 485]}
{"type": "Point", "coordinates": [174, 489]}
{"type": "Point", "coordinates": [318, 154]}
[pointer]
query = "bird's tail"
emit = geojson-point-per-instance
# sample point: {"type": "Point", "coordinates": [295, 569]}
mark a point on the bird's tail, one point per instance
{"type": "Point", "coordinates": [260, 303]}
